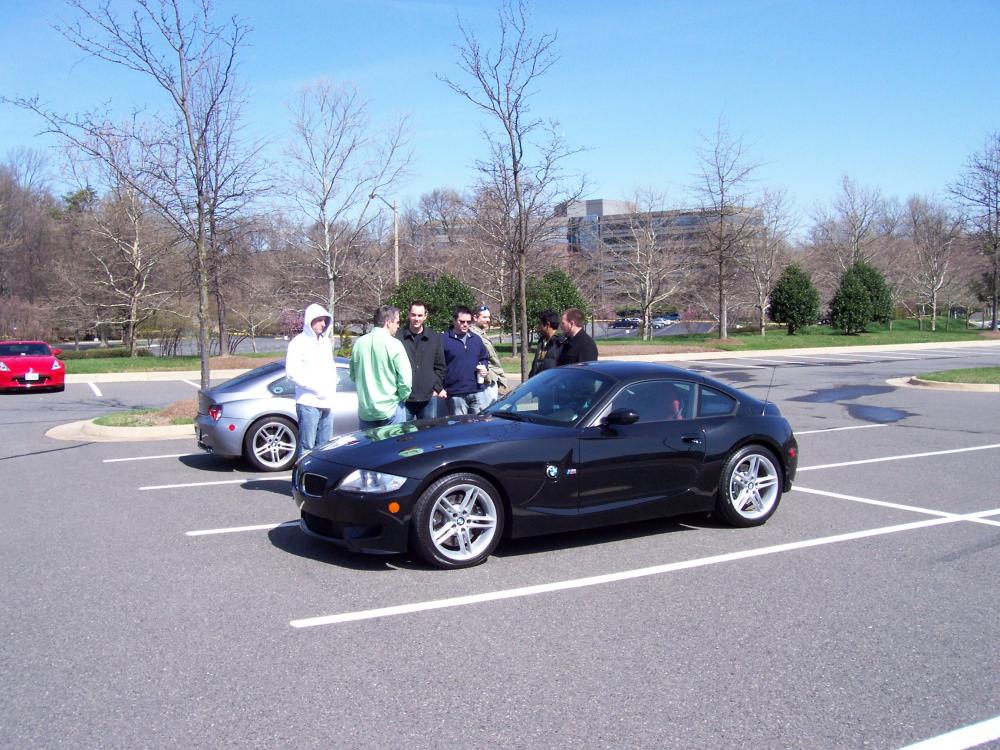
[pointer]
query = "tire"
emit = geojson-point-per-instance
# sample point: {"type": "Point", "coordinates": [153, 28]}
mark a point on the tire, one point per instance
{"type": "Point", "coordinates": [457, 521]}
{"type": "Point", "coordinates": [750, 487]}
{"type": "Point", "coordinates": [270, 444]}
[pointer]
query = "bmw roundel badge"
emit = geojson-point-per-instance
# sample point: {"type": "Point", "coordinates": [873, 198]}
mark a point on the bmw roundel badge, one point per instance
{"type": "Point", "coordinates": [551, 471]}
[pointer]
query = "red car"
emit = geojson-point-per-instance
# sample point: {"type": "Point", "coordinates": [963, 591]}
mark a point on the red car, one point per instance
{"type": "Point", "coordinates": [30, 364]}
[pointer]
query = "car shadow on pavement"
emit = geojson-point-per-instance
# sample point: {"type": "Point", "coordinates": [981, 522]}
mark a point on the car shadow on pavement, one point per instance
{"type": "Point", "coordinates": [210, 462]}
{"type": "Point", "coordinates": [293, 540]}
{"type": "Point", "coordinates": [605, 535]}
{"type": "Point", "coordinates": [274, 486]}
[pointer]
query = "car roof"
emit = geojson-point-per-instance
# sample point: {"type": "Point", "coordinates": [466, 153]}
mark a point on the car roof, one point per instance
{"type": "Point", "coordinates": [628, 371]}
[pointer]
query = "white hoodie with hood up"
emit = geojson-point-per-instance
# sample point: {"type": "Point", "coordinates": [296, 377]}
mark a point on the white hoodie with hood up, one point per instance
{"type": "Point", "coordinates": [309, 362]}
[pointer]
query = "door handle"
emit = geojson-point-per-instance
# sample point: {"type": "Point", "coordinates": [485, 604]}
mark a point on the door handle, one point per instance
{"type": "Point", "coordinates": [691, 439]}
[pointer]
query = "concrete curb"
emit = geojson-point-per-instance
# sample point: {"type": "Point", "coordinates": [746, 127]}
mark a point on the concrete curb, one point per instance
{"type": "Point", "coordinates": [87, 431]}
{"type": "Point", "coordinates": [968, 387]}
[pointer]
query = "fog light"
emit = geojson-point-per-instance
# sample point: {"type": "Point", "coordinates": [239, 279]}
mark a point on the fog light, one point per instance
{"type": "Point", "coordinates": [394, 507]}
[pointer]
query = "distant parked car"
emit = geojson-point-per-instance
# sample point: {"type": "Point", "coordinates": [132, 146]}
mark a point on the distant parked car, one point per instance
{"type": "Point", "coordinates": [30, 365]}
{"type": "Point", "coordinates": [626, 323]}
{"type": "Point", "coordinates": [662, 322]}
{"type": "Point", "coordinates": [253, 416]}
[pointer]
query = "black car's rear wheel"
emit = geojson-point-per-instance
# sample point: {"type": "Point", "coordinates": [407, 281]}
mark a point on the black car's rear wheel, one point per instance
{"type": "Point", "coordinates": [457, 521]}
{"type": "Point", "coordinates": [750, 487]}
{"type": "Point", "coordinates": [270, 444]}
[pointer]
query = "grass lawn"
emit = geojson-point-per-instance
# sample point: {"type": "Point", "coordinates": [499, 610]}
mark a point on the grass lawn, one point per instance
{"type": "Point", "coordinates": [987, 375]}
{"type": "Point", "coordinates": [147, 364]}
{"type": "Point", "coordinates": [141, 418]}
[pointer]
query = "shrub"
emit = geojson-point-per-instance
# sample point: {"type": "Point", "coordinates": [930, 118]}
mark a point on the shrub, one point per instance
{"type": "Point", "coordinates": [111, 352]}
{"type": "Point", "coordinates": [794, 300]}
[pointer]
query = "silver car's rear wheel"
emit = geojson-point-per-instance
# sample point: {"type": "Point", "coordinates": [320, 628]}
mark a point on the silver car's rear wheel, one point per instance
{"type": "Point", "coordinates": [750, 487]}
{"type": "Point", "coordinates": [458, 521]}
{"type": "Point", "coordinates": [270, 443]}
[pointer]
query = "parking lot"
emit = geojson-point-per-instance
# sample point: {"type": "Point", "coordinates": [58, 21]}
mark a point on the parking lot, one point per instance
{"type": "Point", "coordinates": [156, 596]}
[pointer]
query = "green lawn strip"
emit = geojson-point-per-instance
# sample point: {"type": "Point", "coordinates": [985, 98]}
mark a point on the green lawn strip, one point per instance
{"type": "Point", "coordinates": [146, 364]}
{"type": "Point", "coordinates": [138, 418]}
{"type": "Point", "coordinates": [986, 375]}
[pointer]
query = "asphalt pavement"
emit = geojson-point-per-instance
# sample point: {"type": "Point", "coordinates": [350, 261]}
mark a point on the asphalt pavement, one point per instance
{"type": "Point", "coordinates": [155, 596]}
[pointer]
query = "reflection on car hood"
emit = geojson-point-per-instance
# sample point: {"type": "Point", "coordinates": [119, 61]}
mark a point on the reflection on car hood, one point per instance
{"type": "Point", "coordinates": [38, 363]}
{"type": "Point", "coordinates": [395, 445]}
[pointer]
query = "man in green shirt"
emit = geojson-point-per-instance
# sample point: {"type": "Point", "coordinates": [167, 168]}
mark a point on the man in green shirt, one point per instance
{"type": "Point", "coordinates": [381, 371]}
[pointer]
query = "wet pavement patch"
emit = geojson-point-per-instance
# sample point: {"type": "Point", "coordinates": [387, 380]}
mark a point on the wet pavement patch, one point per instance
{"type": "Point", "coordinates": [844, 393]}
{"type": "Point", "coordinates": [877, 414]}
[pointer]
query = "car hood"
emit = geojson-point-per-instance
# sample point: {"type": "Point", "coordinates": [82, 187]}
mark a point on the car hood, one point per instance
{"type": "Point", "coordinates": [406, 449]}
{"type": "Point", "coordinates": [38, 363]}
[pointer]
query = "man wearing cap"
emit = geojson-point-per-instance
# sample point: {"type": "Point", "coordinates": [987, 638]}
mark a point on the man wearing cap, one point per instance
{"type": "Point", "coordinates": [310, 366]}
{"type": "Point", "coordinates": [495, 376]}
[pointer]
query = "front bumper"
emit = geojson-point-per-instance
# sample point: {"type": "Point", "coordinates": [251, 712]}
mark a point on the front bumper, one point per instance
{"type": "Point", "coordinates": [358, 522]}
{"type": "Point", "coordinates": [18, 381]}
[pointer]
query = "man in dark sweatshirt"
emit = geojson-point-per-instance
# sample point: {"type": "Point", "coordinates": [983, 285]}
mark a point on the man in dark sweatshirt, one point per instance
{"type": "Point", "coordinates": [426, 354]}
{"type": "Point", "coordinates": [466, 362]}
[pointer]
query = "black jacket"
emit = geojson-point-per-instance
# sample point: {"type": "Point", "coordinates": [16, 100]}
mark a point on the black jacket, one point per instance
{"type": "Point", "coordinates": [547, 354]}
{"type": "Point", "coordinates": [426, 356]}
{"type": "Point", "coordinates": [580, 348]}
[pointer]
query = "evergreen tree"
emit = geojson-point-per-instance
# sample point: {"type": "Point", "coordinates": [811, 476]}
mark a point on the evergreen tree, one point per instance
{"type": "Point", "coordinates": [441, 297]}
{"type": "Point", "coordinates": [553, 291]}
{"type": "Point", "coordinates": [879, 296]}
{"type": "Point", "coordinates": [851, 308]}
{"type": "Point", "coordinates": [794, 299]}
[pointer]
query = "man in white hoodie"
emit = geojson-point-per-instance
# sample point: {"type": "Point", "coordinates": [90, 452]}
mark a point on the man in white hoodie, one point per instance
{"type": "Point", "coordinates": [309, 364]}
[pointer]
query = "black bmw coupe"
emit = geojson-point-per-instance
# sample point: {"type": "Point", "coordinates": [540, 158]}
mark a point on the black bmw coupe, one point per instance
{"type": "Point", "coordinates": [575, 447]}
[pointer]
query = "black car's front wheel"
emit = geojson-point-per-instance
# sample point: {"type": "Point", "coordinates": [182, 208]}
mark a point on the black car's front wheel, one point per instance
{"type": "Point", "coordinates": [457, 521]}
{"type": "Point", "coordinates": [750, 487]}
{"type": "Point", "coordinates": [270, 443]}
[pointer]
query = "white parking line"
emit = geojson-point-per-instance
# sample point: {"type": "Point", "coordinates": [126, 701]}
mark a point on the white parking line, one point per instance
{"type": "Point", "coordinates": [961, 739]}
{"type": "Point", "coordinates": [148, 458]}
{"type": "Point", "coordinates": [837, 429]}
{"type": "Point", "coordinates": [236, 529]}
{"type": "Point", "coordinates": [973, 517]}
{"type": "Point", "coordinates": [900, 458]}
{"type": "Point", "coordinates": [95, 389]}
{"type": "Point", "coordinates": [547, 588]}
{"type": "Point", "coordinates": [212, 484]}
{"type": "Point", "coordinates": [727, 366]}
{"type": "Point", "coordinates": [192, 384]}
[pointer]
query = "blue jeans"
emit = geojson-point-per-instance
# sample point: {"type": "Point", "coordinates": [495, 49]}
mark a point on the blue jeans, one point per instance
{"type": "Point", "coordinates": [315, 427]}
{"type": "Point", "coordinates": [422, 409]}
{"type": "Point", "coordinates": [467, 403]}
{"type": "Point", "coordinates": [398, 417]}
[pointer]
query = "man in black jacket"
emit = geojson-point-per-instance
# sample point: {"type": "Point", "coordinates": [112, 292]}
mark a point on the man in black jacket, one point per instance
{"type": "Point", "coordinates": [579, 347]}
{"type": "Point", "coordinates": [550, 343]}
{"type": "Point", "coordinates": [426, 354]}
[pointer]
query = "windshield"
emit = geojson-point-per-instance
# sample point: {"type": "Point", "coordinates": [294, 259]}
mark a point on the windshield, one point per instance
{"type": "Point", "coordinates": [558, 396]}
{"type": "Point", "coordinates": [24, 350]}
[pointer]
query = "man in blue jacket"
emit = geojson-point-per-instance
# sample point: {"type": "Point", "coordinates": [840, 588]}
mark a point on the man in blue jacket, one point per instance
{"type": "Point", "coordinates": [465, 364]}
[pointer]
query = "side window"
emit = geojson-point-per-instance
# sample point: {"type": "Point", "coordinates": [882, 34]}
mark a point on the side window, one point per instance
{"type": "Point", "coordinates": [714, 403]}
{"type": "Point", "coordinates": [657, 400]}
{"type": "Point", "coordinates": [282, 387]}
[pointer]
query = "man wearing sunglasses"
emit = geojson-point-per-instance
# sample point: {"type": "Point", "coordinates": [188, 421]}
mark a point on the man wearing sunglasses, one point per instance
{"type": "Point", "coordinates": [465, 364]}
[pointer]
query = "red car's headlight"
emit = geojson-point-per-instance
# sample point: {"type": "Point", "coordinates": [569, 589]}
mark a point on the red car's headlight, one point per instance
{"type": "Point", "coordinates": [56, 365]}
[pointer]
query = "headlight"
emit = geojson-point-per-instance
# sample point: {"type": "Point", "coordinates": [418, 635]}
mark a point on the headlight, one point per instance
{"type": "Point", "coordinates": [56, 365]}
{"type": "Point", "coordinates": [363, 480]}
{"type": "Point", "coordinates": [4, 368]}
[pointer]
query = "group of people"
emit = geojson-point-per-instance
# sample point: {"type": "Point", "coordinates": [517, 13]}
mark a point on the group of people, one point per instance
{"type": "Point", "coordinates": [407, 372]}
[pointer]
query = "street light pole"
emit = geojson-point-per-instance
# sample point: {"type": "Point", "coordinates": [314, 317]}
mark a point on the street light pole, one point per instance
{"type": "Point", "coordinates": [395, 234]}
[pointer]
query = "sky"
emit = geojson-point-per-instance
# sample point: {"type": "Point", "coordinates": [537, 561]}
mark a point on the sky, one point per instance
{"type": "Point", "coordinates": [895, 94]}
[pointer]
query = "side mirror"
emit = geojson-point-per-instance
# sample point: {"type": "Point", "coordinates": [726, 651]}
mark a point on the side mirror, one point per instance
{"type": "Point", "coordinates": [621, 416]}
{"type": "Point", "coordinates": [56, 352]}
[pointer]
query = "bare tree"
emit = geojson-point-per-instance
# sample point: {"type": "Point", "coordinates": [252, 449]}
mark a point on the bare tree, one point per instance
{"type": "Point", "coordinates": [646, 255]}
{"type": "Point", "coordinates": [723, 190]}
{"type": "Point", "coordinates": [338, 164]}
{"type": "Point", "coordinates": [765, 251]}
{"type": "Point", "coordinates": [192, 61]}
{"type": "Point", "coordinates": [978, 191]}
{"type": "Point", "coordinates": [931, 237]}
{"type": "Point", "coordinates": [853, 230]}
{"type": "Point", "coordinates": [503, 83]}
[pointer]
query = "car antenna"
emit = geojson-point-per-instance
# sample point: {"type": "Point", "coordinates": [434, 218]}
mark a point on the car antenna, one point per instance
{"type": "Point", "coordinates": [767, 397]}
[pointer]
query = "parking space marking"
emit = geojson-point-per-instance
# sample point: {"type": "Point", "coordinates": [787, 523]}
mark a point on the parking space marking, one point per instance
{"type": "Point", "coordinates": [837, 429]}
{"type": "Point", "coordinates": [727, 366]}
{"type": "Point", "coordinates": [148, 458]}
{"type": "Point", "coordinates": [961, 739]}
{"type": "Point", "coordinates": [547, 588]}
{"type": "Point", "coordinates": [280, 477]}
{"type": "Point", "coordinates": [95, 389]}
{"type": "Point", "coordinates": [977, 517]}
{"type": "Point", "coordinates": [900, 458]}
{"type": "Point", "coordinates": [236, 529]}
{"type": "Point", "coordinates": [192, 384]}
